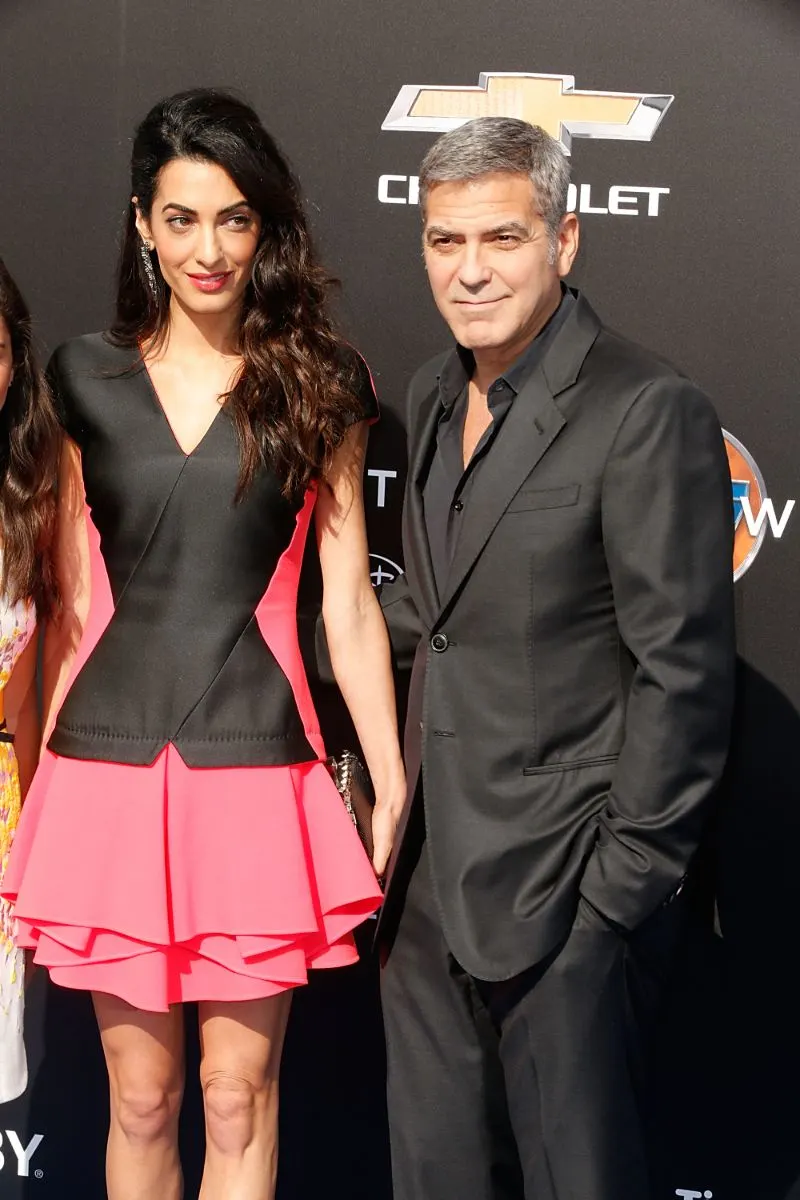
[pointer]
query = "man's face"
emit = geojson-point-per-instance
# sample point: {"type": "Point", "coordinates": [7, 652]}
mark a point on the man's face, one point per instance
{"type": "Point", "coordinates": [491, 262]}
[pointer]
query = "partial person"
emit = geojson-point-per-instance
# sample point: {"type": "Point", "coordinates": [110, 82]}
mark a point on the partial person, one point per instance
{"type": "Point", "coordinates": [568, 603]}
{"type": "Point", "coordinates": [184, 839]}
{"type": "Point", "coordinates": [29, 446]}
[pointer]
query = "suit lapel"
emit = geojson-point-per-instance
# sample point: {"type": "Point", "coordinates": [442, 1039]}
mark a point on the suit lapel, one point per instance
{"type": "Point", "coordinates": [531, 426]}
{"type": "Point", "coordinates": [416, 548]}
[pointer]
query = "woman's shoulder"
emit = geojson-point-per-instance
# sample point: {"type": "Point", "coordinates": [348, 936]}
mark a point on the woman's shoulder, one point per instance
{"type": "Point", "coordinates": [87, 354]}
{"type": "Point", "coordinates": [79, 374]}
{"type": "Point", "coordinates": [363, 384]}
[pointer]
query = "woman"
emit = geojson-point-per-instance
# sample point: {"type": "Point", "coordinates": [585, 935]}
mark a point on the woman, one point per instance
{"type": "Point", "coordinates": [184, 839]}
{"type": "Point", "coordinates": [29, 440]}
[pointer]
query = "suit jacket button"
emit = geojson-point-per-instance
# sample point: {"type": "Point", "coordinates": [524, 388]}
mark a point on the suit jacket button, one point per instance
{"type": "Point", "coordinates": [440, 642]}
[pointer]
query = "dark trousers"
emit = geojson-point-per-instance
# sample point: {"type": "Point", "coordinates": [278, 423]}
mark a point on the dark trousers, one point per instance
{"type": "Point", "coordinates": [530, 1088]}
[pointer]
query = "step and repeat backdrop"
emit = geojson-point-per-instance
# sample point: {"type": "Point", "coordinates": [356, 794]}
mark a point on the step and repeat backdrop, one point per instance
{"type": "Point", "coordinates": [681, 120]}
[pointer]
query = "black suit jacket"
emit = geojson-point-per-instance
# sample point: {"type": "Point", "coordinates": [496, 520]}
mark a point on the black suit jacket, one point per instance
{"type": "Point", "coordinates": [572, 688]}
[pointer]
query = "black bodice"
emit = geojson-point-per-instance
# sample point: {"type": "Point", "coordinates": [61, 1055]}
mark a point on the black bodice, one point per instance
{"type": "Point", "coordinates": [183, 658]}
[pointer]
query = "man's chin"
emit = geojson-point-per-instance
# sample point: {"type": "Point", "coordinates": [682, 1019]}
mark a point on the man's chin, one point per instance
{"type": "Point", "coordinates": [472, 339]}
{"type": "Point", "coordinates": [479, 335]}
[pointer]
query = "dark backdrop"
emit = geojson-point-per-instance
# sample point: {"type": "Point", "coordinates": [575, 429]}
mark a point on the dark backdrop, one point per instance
{"type": "Point", "coordinates": [708, 282]}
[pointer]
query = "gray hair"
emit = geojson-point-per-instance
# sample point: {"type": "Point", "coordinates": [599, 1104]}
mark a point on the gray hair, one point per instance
{"type": "Point", "coordinates": [491, 144]}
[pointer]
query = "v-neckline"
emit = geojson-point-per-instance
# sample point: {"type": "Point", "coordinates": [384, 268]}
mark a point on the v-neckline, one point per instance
{"type": "Point", "coordinates": [187, 454]}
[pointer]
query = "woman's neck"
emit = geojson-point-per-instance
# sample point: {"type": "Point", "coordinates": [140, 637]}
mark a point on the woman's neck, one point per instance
{"type": "Point", "coordinates": [212, 336]}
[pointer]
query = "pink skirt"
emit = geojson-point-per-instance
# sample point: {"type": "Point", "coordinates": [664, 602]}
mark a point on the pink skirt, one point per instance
{"type": "Point", "coordinates": [167, 883]}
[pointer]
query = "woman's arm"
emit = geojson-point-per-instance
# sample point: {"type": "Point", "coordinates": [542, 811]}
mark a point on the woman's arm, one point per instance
{"type": "Point", "coordinates": [358, 643]}
{"type": "Point", "coordinates": [62, 634]}
{"type": "Point", "coordinates": [22, 712]}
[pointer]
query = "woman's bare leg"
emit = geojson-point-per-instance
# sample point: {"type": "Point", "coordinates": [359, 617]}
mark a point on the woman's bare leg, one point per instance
{"type": "Point", "coordinates": [241, 1047]}
{"type": "Point", "coordinates": [145, 1060]}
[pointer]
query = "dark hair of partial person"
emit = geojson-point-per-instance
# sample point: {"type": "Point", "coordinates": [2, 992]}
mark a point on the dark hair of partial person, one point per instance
{"type": "Point", "coordinates": [30, 438]}
{"type": "Point", "coordinates": [296, 395]}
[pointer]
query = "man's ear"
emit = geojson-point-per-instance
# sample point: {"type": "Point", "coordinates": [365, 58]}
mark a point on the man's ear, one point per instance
{"type": "Point", "coordinates": [567, 243]}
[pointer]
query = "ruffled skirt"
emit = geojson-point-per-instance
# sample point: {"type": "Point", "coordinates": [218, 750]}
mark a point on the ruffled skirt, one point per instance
{"type": "Point", "coordinates": [167, 883]}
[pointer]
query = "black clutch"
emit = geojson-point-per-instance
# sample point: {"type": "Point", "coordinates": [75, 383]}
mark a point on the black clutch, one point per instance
{"type": "Point", "coordinates": [355, 787]}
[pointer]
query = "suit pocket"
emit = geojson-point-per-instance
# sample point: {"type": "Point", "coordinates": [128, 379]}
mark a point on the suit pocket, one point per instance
{"type": "Point", "coordinates": [550, 768]}
{"type": "Point", "coordinates": [528, 499]}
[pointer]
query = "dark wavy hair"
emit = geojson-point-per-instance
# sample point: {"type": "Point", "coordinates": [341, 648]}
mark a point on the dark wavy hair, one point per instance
{"type": "Point", "coordinates": [30, 440]}
{"type": "Point", "coordinates": [296, 394]}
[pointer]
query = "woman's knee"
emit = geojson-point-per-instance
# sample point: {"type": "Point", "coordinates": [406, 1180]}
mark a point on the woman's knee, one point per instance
{"type": "Point", "coordinates": [146, 1112]}
{"type": "Point", "coordinates": [235, 1103]}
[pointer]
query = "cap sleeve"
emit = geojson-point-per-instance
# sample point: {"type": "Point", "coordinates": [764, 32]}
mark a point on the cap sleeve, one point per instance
{"type": "Point", "coordinates": [58, 380]}
{"type": "Point", "coordinates": [367, 399]}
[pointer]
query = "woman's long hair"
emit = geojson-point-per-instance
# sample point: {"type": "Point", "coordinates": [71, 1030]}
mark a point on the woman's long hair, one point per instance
{"type": "Point", "coordinates": [295, 396]}
{"type": "Point", "coordinates": [29, 451]}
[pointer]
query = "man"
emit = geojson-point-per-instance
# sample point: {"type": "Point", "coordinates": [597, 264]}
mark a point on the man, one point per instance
{"type": "Point", "coordinates": [568, 597]}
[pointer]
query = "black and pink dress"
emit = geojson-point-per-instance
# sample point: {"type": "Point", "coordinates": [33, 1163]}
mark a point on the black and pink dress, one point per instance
{"type": "Point", "coordinates": [183, 838]}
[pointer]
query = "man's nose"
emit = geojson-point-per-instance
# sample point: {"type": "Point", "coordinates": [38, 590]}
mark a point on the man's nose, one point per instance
{"type": "Point", "coordinates": [473, 269]}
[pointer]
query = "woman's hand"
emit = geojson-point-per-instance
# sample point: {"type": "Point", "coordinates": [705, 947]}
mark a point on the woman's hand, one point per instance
{"type": "Point", "coordinates": [386, 814]}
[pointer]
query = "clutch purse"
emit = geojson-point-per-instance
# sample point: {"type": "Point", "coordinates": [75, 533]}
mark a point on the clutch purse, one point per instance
{"type": "Point", "coordinates": [355, 787]}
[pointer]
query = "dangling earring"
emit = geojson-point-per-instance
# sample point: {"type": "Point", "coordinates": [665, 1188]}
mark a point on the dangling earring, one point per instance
{"type": "Point", "coordinates": [144, 250]}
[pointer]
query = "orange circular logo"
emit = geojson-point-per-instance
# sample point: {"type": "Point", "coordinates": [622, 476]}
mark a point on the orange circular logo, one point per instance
{"type": "Point", "coordinates": [749, 493]}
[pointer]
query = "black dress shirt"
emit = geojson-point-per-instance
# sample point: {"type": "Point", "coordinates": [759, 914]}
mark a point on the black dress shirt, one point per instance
{"type": "Point", "coordinates": [449, 483]}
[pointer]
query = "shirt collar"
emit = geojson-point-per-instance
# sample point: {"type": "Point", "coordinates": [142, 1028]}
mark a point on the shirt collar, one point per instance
{"type": "Point", "coordinates": [459, 368]}
{"type": "Point", "coordinates": [455, 376]}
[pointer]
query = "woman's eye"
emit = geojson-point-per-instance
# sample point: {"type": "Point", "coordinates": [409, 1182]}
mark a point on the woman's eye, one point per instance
{"type": "Point", "coordinates": [240, 220]}
{"type": "Point", "coordinates": [179, 222]}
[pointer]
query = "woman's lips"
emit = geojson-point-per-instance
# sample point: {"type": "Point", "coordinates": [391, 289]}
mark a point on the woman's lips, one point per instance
{"type": "Point", "coordinates": [211, 283]}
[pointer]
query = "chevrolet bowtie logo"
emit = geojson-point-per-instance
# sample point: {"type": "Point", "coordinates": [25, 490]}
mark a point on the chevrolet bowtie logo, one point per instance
{"type": "Point", "coordinates": [547, 100]}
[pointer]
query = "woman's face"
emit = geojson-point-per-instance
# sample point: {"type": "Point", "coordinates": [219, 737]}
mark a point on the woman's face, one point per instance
{"type": "Point", "coordinates": [205, 234]}
{"type": "Point", "coordinates": [6, 361]}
